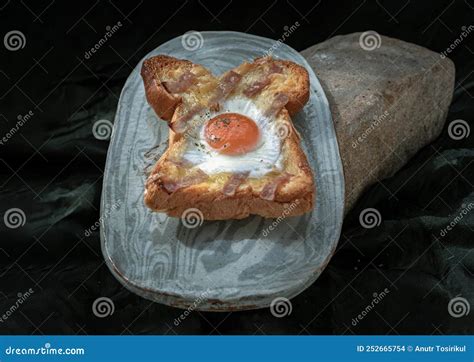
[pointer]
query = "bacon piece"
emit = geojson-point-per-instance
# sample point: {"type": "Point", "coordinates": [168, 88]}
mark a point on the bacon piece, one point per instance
{"type": "Point", "coordinates": [256, 87]}
{"type": "Point", "coordinates": [227, 83]}
{"type": "Point", "coordinates": [234, 182]}
{"type": "Point", "coordinates": [180, 124]}
{"type": "Point", "coordinates": [180, 163]}
{"type": "Point", "coordinates": [185, 81]}
{"type": "Point", "coordinates": [270, 188]}
{"type": "Point", "coordinates": [172, 186]}
{"type": "Point", "coordinates": [187, 181]}
{"type": "Point", "coordinates": [280, 100]}
{"type": "Point", "coordinates": [275, 68]}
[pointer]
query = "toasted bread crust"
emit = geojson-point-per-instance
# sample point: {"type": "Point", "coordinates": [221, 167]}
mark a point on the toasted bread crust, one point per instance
{"type": "Point", "coordinates": [154, 71]}
{"type": "Point", "coordinates": [214, 207]}
{"type": "Point", "coordinates": [299, 96]}
{"type": "Point", "coordinates": [292, 198]}
{"type": "Point", "coordinates": [162, 102]}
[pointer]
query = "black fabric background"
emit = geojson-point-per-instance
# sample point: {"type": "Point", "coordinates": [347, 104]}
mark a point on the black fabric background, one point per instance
{"type": "Point", "coordinates": [52, 169]}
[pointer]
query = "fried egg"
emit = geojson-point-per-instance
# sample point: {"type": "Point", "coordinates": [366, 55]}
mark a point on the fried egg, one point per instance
{"type": "Point", "coordinates": [236, 139]}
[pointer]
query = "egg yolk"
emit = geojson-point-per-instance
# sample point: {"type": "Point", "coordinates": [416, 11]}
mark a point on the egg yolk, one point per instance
{"type": "Point", "coordinates": [232, 134]}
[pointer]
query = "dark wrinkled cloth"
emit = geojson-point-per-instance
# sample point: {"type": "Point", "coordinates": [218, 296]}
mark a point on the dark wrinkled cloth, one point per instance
{"type": "Point", "coordinates": [52, 169]}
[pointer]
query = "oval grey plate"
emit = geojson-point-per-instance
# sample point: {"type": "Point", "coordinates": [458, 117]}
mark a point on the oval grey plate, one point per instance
{"type": "Point", "coordinates": [219, 265]}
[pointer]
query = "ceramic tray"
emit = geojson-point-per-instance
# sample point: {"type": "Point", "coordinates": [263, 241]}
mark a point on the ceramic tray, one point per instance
{"type": "Point", "coordinates": [217, 265]}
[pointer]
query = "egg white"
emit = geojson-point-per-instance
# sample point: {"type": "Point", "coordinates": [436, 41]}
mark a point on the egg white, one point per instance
{"type": "Point", "coordinates": [265, 158]}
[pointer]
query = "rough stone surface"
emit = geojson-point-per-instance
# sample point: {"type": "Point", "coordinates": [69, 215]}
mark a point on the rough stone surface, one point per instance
{"type": "Point", "coordinates": [386, 103]}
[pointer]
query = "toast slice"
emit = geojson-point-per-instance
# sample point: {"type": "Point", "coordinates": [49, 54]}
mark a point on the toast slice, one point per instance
{"type": "Point", "coordinates": [187, 96]}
